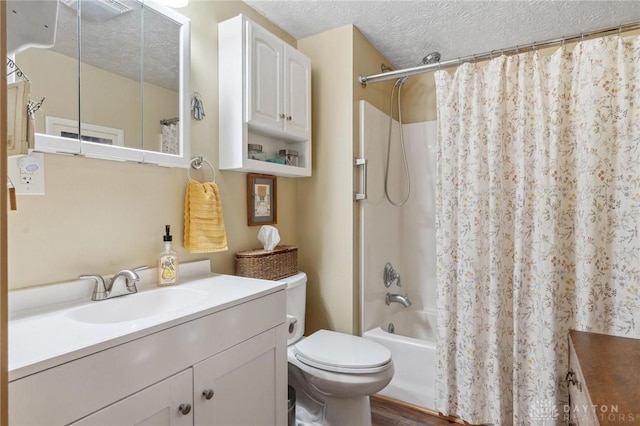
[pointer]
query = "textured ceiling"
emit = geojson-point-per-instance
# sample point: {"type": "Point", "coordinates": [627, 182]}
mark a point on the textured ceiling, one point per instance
{"type": "Point", "coordinates": [405, 31]}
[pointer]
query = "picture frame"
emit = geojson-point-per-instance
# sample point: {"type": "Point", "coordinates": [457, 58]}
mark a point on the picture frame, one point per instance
{"type": "Point", "coordinates": [261, 199]}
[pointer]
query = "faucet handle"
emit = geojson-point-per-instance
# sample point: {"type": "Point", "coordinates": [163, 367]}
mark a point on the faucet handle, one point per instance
{"type": "Point", "coordinates": [100, 290]}
{"type": "Point", "coordinates": [131, 284]}
{"type": "Point", "coordinates": [390, 275]}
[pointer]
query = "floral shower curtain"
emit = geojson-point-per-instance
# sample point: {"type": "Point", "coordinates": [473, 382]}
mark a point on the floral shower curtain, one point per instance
{"type": "Point", "coordinates": [538, 214]}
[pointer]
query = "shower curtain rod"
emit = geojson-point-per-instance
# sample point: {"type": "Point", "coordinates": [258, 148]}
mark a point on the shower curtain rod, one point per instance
{"type": "Point", "coordinates": [392, 75]}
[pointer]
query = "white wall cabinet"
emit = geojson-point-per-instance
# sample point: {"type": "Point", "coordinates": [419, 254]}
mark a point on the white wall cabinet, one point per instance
{"type": "Point", "coordinates": [239, 354]}
{"type": "Point", "coordinates": [265, 99]}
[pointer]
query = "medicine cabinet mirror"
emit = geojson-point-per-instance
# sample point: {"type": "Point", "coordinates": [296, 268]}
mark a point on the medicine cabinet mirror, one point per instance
{"type": "Point", "coordinates": [113, 75]}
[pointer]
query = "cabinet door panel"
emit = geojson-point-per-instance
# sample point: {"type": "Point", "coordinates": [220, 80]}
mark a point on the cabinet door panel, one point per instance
{"type": "Point", "coordinates": [156, 405]}
{"type": "Point", "coordinates": [297, 79]}
{"type": "Point", "coordinates": [265, 83]}
{"type": "Point", "coordinates": [243, 380]}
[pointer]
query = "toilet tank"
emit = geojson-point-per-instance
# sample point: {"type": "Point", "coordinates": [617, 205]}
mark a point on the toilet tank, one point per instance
{"type": "Point", "coordinates": [296, 302]}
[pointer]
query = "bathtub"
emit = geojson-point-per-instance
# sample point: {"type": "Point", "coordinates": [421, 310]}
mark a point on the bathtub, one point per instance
{"type": "Point", "coordinates": [413, 350]}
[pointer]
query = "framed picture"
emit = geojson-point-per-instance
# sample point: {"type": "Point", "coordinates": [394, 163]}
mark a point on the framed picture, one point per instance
{"type": "Point", "coordinates": [261, 199]}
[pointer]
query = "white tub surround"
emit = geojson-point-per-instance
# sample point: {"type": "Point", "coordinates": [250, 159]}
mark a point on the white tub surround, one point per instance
{"type": "Point", "coordinates": [63, 369]}
{"type": "Point", "coordinates": [404, 237]}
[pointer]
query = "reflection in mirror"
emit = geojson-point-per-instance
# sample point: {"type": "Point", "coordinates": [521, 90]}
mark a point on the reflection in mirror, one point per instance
{"type": "Point", "coordinates": [111, 73]}
{"type": "Point", "coordinates": [134, 72]}
{"type": "Point", "coordinates": [52, 75]}
{"type": "Point", "coordinates": [161, 83]}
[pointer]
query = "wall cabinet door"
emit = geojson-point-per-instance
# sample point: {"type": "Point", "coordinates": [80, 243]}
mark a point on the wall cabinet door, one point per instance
{"type": "Point", "coordinates": [264, 85]}
{"type": "Point", "coordinates": [239, 386]}
{"type": "Point", "coordinates": [279, 85]}
{"type": "Point", "coordinates": [297, 93]}
{"type": "Point", "coordinates": [168, 402]}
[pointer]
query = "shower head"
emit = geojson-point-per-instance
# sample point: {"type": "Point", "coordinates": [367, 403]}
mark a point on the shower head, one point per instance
{"type": "Point", "coordinates": [431, 58]}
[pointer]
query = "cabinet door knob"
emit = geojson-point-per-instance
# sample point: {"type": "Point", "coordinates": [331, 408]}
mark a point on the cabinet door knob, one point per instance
{"type": "Point", "coordinates": [289, 118]}
{"type": "Point", "coordinates": [185, 408]}
{"type": "Point", "coordinates": [207, 393]}
{"type": "Point", "coordinates": [283, 116]}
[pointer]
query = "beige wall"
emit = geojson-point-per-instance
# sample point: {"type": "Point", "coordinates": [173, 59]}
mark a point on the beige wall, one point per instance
{"type": "Point", "coordinates": [419, 98]}
{"type": "Point", "coordinates": [100, 216]}
{"type": "Point", "coordinates": [325, 200]}
{"type": "Point", "coordinates": [327, 216]}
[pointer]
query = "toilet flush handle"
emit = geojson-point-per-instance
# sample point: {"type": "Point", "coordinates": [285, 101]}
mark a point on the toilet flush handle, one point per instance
{"type": "Point", "coordinates": [292, 325]}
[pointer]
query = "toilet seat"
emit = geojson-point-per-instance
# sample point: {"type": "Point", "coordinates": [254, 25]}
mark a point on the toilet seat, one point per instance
{"type": "Point", "coordinates": [342, 353]}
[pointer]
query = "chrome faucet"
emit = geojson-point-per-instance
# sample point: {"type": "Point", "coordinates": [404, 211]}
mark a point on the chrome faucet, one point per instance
{"type": "Point", "coordinates": [104, 291]}
{"type": "Point", "coordinates": [398, 298]}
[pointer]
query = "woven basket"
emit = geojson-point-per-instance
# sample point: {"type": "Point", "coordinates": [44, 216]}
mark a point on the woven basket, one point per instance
{"type": "Point", "coordinates": [281, 262]}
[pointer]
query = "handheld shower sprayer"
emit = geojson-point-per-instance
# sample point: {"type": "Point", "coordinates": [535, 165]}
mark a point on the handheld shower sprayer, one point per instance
{"type": "Point", "coordinates": [430, 58]}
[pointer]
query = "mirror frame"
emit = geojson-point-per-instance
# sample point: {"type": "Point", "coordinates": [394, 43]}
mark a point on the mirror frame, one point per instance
{"type": "Point", "coordinates": [60, 145]}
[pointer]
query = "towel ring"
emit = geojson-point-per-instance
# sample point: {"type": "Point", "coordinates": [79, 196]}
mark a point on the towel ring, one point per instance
{"type": "Point", "coordinates": [196, 163]}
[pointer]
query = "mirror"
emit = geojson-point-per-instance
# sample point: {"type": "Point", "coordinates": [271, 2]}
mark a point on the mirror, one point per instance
{"type": "Point", "coordinates": [127, 97]}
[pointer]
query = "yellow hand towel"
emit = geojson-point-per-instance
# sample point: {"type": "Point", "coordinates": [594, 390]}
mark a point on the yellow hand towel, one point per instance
{"type": "Point", "coordinates": [204, 230]}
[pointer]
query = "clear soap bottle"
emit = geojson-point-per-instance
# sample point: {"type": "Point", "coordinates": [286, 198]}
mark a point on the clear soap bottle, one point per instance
{"type": "Point", "coordinates": [168, 261]}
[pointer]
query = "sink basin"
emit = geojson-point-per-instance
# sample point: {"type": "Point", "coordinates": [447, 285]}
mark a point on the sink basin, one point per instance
{"type": "Point", "coordinates": [136, 306]}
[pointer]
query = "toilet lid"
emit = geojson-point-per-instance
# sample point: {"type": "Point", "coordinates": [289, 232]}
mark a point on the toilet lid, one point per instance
{"type": "Point", "coordinates": [340, 352]}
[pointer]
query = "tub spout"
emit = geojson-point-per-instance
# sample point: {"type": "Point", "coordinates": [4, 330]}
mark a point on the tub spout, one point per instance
{"type": "Point", "coordinates": [398, 298]}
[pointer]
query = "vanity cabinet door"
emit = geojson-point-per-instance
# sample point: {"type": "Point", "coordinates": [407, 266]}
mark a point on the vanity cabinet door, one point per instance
{"type": "Point", "coordinates": [242, 386]}
{"type": "Point", "coordinates": [168, 402]}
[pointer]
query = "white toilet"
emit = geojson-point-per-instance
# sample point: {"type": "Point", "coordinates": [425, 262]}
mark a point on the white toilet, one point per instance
{"type": "Point", "coordinates": [332, 373]}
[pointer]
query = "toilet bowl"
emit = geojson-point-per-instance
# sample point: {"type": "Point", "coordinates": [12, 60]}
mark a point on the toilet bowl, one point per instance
{"type": "Point", "coordinates": [333, 373]}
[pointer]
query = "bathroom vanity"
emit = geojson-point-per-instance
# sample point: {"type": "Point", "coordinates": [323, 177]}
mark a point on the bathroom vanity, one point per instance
{"type": "Point", "coordinates": [603, 379]}
{"type": "Point", "coordinates": [215, 355]}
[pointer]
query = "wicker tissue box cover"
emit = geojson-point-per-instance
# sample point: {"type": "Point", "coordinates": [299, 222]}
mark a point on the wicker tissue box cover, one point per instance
{"type": "Point", "coordinates": [279, 263]}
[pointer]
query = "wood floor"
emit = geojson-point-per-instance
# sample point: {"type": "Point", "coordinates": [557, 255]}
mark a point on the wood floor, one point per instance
{"type": "Point", "coordinates": [389, 412]}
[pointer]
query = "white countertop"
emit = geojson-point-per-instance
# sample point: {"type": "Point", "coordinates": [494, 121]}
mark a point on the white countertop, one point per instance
{"type": "Point", "coordinates": [40, 338]}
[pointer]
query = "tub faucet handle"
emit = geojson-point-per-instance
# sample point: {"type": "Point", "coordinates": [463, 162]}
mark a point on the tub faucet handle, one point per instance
{"type": "Point", "coordinates": [390, 276]}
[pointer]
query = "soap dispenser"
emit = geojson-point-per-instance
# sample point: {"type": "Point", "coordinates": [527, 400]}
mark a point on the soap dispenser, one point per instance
{"type": "Point", "coordinates": [168, 261]}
